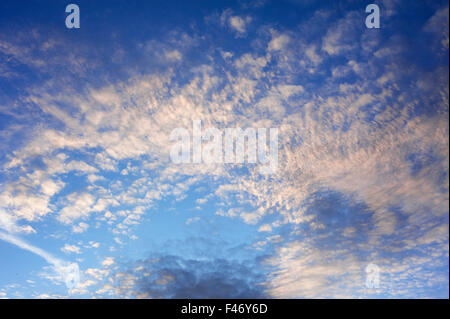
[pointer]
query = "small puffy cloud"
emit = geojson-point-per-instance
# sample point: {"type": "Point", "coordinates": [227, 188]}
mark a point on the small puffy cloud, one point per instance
{"type": "Point", "coordinates": [93, 244]}
{"type": "Point", "coordinates": [239, 24]}
{"type": "Point", "coordinates": [278, 42]}
{"type": "Point", "coordinates": [50, 187]}
{"type": "Point", "coordinates": [192, 220]}
{"type": "Point", "coordinates": [109, 261]}
{"type": "Point", "coordinates": [93, 178]}
{"type": "Point", "coordinates": [313, 56]}
{"type": "Point", "coordinates": [80, 228]}
{"type": "Point", "coordinates": [201, 200]}
{"type": "Point", "coordinates": [265, 228]}
{"type": "Point", "coordinates": [234, 22]}
{"type": "Point", "coordinates": [232, 212]}
{"type": "Point", "coordinates": [86, 283]}
{"type": "Point", "coordinates": [68, 249]}
{"type": "Point", "coordinates": [27, 229]}
{"type": "Point", "coordinates": [226, 54]}
{"type": "Point", "coordinates": [98, 274]}
{"type": "Point", "coordinates": [173, 56]}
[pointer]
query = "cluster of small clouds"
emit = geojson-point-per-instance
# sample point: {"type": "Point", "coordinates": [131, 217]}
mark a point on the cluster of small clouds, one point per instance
{"type": "Point", "coordinates": [238, 24]}
{"type": "Point", "coordinates": [356, 137]}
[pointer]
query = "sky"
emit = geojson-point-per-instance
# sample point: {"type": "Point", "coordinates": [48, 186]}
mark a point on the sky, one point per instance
{"type": "Point", "coordinates": [92, 206]}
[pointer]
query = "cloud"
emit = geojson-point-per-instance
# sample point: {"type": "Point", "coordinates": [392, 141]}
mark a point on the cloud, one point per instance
{"type": "Point", "coordinates": [176, 277]}
{"type": "Point", "coordinates": [438, 24]}
{"type": "Point", "coordinates": [107, 262]}
{"type": "Point", "coordinates": [80, 206]}
{"type": "Point", "coordinates": [238, 23]}
{"type": "Point", "coordinates": [67, 272]}
{"type": "Point", "coordinates": [173, 55]}
{"type": "Point", "coordinates": [278, 42]}
{"type": "Point", "coordinates": [234, 22]}
{"type": "Point", "coordinates": [80, 228]}
{"type": "Point", "coordinates": [71, 249]}
{"type": "Point", "coordinates": [265, 228]}
{"type": "Point", "coordinates": [342, 36]}
{"type": "Point", "coordinates": [192, 220]}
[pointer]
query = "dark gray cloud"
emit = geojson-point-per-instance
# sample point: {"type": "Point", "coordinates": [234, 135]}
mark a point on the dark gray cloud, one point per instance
{"type": "Point", "coordinates": [176, 277]}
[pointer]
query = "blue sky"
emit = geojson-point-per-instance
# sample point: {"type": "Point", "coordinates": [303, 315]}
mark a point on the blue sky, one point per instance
{"type": "Point", "coordinates": [86, 177]}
